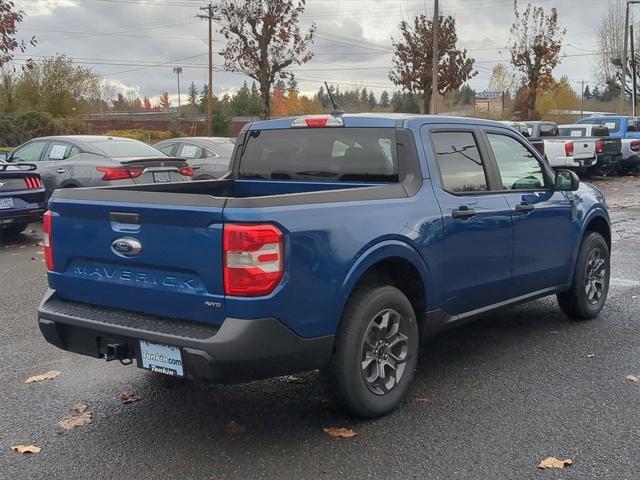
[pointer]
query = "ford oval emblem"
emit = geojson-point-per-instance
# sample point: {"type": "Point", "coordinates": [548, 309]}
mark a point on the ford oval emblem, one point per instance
{"type": "Point", "coordinates": [126, 247]}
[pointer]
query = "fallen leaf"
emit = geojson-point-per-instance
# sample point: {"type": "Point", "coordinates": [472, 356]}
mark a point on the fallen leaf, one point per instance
{"type": "Point", "coordinates": [423, 400]}
{"type": "Point", "coordinates": [234, 428]}
{"type": "Point", "coordinates": [633, 378]}
{"type": "Point", "coordinates": [340, 432]}
{"type": "Point", "coordinates": [634, 296]}
{"type": "Point", "coordinates": [25, 449]}
{"type": "Point", "coordinates": [129, 397]}
{"type": "Point", "coordinates": [80, 417]}
{"type": "Point", "coordinates": [45, 376]}
{"type": "Point", "coordinates": [297, 379]}
{"type": "Point", "coordinates": [553, 462]}
{"type": "Point", "coordinates": [590, 355]}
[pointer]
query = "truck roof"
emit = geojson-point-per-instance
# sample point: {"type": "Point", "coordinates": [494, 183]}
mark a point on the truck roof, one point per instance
{"type": "Point", "coordinates": [380, 120]}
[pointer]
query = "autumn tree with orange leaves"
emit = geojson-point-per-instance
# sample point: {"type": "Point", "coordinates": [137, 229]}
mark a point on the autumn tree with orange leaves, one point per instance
{"type": "Point", "coordinates": [165, 103]}
{"type": "Point", "coordinates": [412, 62]}
{"type": "Point", "coordinates": [536, 41]}
{"type": "Point", "coordinates": [264, 38]}
{"type": "Point", "coordinates": [9, 19]}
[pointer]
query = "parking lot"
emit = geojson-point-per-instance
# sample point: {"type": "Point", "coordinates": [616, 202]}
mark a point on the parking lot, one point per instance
{"type": "Point", "coordinates": [490, 399]}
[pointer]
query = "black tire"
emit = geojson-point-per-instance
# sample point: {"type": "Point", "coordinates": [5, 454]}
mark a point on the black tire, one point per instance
{"type": "Point", "coordinates": [365, 313]}
{"type": "Point", "coordinates": [13, 230]}
{"type": "Point", "coordinates": [581, 302]}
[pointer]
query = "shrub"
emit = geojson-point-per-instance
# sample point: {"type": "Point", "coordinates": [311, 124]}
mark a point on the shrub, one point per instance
{"type": "Point", "coordinates": [149, 136]}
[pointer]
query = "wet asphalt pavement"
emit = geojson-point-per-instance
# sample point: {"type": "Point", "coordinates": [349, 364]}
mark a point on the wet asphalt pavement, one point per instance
{"type": "Point", "coordinates": [490, 399]}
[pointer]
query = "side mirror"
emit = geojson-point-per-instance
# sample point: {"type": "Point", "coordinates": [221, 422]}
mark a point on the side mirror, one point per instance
{"type": "Point", "coordinates": [525, 133]}
{"type": "Point", "coordinates": [567, 181]}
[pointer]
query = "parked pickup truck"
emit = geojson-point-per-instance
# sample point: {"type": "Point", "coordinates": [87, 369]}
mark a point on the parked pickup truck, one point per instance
{"type": "Point", "coordinates": [562, 152]}
{"type": "Point", "coordinates": [608, 149]}
{"type": "Point", "coordinates": [21, 197]}
{"type": "Point", "coordinates": [335, 243]}
{"type": "Point", "coordinates": [627, 129]}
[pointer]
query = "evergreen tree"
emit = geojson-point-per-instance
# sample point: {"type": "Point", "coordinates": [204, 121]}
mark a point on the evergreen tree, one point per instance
{"type": "Point", "coordinates": [255, 102]}
{"type": "Point", "coordinates": [467, 95]}
{"type": "Point", "coordinates": [203, 99]}
{"type": "Point", "coordinates": [587, 93]}
{"type": "Point", "coordinates": [193, 95]}
{"type": "Point", "coordinates": [396, 101]}
{"type": "Point", "coordinates": [373, 103]}
{"type": "Point", "coordinates": [596, 93]}
{"type": "Point", "coordinates": [384, 99]}
{"type": "Point", "coordinates": [364, 98]}
{"type": "Point", "coordinates": [241, 102]}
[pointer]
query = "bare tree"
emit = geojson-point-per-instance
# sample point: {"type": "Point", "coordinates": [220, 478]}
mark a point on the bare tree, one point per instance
{"type": "Point", "coordinates": [536, 41]}
{"type": "Point", "coordinates": [264, 38]}
{"type": "Point", "coordinates": [502, 80]}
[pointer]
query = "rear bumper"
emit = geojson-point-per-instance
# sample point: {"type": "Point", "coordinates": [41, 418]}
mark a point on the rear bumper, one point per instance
{"type": "Point", "coordinates": [631, 163]}
{"type": "Point", "coordinates": [22, 214]}
{"type": "Point", "coordinates": [239, 350]}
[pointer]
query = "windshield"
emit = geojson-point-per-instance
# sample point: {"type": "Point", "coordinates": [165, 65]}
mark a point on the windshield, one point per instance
{"type": "Point", "coordinates": [116, 147]}
{"type": "Point", "coordinates": [321, 154]}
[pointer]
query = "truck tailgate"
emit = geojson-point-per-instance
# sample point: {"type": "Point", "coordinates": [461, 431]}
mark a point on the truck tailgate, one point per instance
{"type": "Point", "coordinates": [584, 149]}
{"type": "Point", "coordinates": [142, 256]}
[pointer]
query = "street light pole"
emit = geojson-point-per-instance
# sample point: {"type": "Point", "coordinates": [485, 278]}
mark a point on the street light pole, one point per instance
{"type": "Point", "coordinates": [178, 71]}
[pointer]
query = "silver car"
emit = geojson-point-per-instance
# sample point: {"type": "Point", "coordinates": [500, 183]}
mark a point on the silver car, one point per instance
{"type": "Point", "coordinates": [209, 156]}
{"type": "Point", "coordinates": [88, 161]}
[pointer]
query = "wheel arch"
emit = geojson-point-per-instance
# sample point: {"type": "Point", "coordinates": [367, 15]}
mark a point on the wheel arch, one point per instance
{"type": "Point", "coordinates": [393, 262]}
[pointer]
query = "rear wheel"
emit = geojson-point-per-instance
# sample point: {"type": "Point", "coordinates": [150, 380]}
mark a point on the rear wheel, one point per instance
{"type": "Point", "coordinates": [590, 285]}
{"type": "Point", "coordinates": [376, 351]}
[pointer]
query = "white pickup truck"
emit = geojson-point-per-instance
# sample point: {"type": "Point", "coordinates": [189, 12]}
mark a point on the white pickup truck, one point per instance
{"type": "Point", "coordinates": [564, 152]}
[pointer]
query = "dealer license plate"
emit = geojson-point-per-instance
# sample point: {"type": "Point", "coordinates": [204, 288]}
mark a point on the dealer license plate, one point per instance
{"type": "Point", "coordinates": [159, 177]}
{"type": "Point", "coordinates": [6, 203]}
{"type": "Point", "coordinates": [160, 358]}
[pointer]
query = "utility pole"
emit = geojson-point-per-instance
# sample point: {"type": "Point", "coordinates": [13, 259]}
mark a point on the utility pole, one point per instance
{"type": "Point", "coordinates": [435, 58]}
{"type": "Point", "coordinates": [582, 102]}
{"type": "Point", "coordinates": [209, 16]}
{"type": "Point", "coordinates": [634, 81]}
{"type": "Point", "coordinates": [625, 56]}
{"type": "Point", "coordinates": [178, 71]}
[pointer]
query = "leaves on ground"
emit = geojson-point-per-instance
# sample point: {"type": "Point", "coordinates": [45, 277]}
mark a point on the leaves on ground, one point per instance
{"type": "Point", "coordinates": [296, 379]}
{"type": "Point", "coordinates": [45, 376]}
{"type": "Point", "coordinates": [80, 416]}
{"type": "Point", "coordinates": [234, 428]}
{"type": "Point", "coordinates": [553, 462]}
{"type": "Point", "coordinates": [24, 449]}
{"type": "Point", "coordinates": [590, 355]}
{"type": "Point", "coordinates": [129, 397]}
{"type": "Point", "coordinates": [633, 378]}
{"type": "Point", "coordinates": [340, 432]}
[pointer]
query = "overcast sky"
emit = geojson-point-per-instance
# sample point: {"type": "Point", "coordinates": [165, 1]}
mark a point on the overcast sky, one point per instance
{"type": "Point", "coordinates": [136, 43]}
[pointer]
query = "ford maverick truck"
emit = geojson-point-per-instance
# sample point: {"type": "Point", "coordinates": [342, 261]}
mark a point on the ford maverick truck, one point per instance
{"type": "Point", "coordinates": [335, 243]}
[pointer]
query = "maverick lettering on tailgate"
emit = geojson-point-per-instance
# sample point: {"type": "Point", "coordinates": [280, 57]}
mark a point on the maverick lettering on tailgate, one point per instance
{"type": "Point", "coordinates": [134, 276]}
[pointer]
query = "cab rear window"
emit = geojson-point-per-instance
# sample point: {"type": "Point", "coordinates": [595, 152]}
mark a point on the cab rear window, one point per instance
{"type": "Point", "coordinates": [321, 154]}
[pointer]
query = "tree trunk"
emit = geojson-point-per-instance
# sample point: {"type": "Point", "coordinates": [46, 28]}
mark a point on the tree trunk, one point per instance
{"type": "Point", "coordinates": [265, 93]}
{"type": "Point", "coordinates": [531, 104]}
{"type": "Point", "coordinates": [426, 101]}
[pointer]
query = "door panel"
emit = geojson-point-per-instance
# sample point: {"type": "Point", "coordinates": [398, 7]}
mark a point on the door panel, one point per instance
{"type": "Point", "coordinates": [477, 223]}
{"type": "Point", "coordinates": [544, 231]}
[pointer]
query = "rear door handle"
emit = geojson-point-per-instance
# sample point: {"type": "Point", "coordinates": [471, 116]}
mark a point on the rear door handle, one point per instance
{"type": "Point", "coordinates": [463, 213]}
{"type": "Point", "coordinates": [61, 170]}
{"type": "Point", "coordinates": [523, 208]}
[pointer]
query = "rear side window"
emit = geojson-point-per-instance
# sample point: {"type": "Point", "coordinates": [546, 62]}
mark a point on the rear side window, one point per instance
{"type": "Point", "coordinates": [459, 161]}
{"type": "Point", "coordinates": [573, 132]}
{"type": "Point", "coordinates": [321, 154]}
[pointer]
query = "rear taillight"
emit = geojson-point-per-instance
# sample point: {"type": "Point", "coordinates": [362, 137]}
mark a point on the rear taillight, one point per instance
{"type": "Point", "coordinates": [253, 259]}
{"type": "Point", "coordinates": [119, 173]}
{"type": "Point", "coordinates": [33, 182]}
{"type": "Point", "coordinates": [599, 146]}
{"type": "Point", "coordinates": [568, 149]}
{"type": "Point", "coordinates": [47, 228]}
{"type": "Point", "coordinates": [634, 146]}
{"type": "Point", "coordinates": [186, 171]}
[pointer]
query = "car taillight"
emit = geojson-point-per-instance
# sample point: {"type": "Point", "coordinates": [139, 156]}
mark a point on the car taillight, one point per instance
{"type": "Point", "coordinates": [33, 182]}
{"type": "Point", "coordinates": [568, 149]}
{"type": "Point", "coordinates": [119, 173]}
{"type": "Point", "coordinates": [634, 146]}
{"type": "Point", "coordinates": [47, 229]}
{"type": "Point", "coordinates": [599, 146]}
{"type": "Point", "coordinates": [253, 259]}
{"type": "Point", "coordinates": [186, 171]}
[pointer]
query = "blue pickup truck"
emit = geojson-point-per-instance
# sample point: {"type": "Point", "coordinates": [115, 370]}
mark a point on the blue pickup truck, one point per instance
{"type": "Point", "coordinates": [335, 243]}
